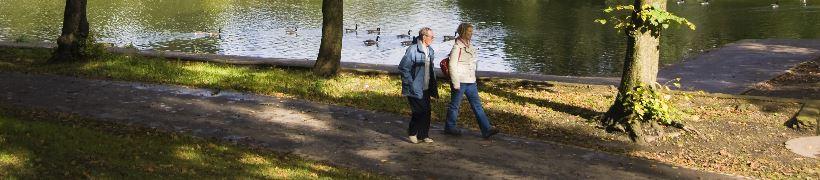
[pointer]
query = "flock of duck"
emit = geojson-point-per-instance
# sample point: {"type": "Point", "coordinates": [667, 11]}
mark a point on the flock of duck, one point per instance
{"type": "Point", "coordinates": [369, 42]}
{"type": "Point", "coordinates": [378, 31]}
{"type": "Point", "coordinates": [776, 3]}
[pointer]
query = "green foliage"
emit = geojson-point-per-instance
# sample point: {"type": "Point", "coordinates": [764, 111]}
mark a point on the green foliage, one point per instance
{"type": "Point", "coordinates": [130, 46]}
{"type": "Point", "coordinates": [661, 18]}
{"type": "Point", "coordinates": [22, 39]}
{"type": "Point", "coordinates": [651, 104]}
{"type": "Point", "coordinates": [651, 19]}
{"type": "Point", "coordinates": [620, 21]}
{"type": "Point", "coordinates": [90, 48]}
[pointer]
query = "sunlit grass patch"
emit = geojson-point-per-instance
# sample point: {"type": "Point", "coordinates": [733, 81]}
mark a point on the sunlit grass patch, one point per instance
{"type": "Point", "coordinates": [13, 160]}
{"type": "Point", "coordinates": [188, 153]}
{"type": "Point", "coordinates": [254, 159]}
{"type": "Point", "coordinates": [44, 145]}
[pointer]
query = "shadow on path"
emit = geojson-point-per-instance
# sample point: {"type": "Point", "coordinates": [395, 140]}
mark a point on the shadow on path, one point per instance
{"type": "Point", "coordinates": [345, 136]}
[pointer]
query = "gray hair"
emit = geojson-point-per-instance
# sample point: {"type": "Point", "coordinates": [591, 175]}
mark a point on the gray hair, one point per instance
{"type": "Point", "coordinates": [425, 31]}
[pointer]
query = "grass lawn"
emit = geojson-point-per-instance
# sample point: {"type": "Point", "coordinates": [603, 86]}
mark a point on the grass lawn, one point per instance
{"type": "Point", "coordinates": [44, 145]}
{"type": "Point", "coordinates": [741, 136]}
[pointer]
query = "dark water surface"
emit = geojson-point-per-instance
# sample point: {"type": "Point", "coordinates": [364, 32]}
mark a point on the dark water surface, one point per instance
{"type": "Point", "coordinates": [555, 37]}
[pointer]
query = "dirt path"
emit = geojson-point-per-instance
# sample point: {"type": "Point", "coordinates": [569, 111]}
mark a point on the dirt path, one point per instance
{"type": "Point", "coordinates": [344, 136]}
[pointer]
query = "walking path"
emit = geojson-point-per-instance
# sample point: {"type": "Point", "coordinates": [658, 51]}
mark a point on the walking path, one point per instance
{"type": "Point", "coordinates": [736, 67]}
{"type": "Point", "coordinates": [344, 136]}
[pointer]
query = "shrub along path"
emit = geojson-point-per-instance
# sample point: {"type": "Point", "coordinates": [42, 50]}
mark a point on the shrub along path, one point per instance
{"type": "Point", "coordinates": [344, 136]}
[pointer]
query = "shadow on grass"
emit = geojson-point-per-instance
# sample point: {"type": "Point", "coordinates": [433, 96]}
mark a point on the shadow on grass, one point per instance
{"type": "Point", "coordinates": [345, 136]}
{"type": "Point", "coordinates": [561, 107]}
{"type": "Point", "coordinates": [44, 144]}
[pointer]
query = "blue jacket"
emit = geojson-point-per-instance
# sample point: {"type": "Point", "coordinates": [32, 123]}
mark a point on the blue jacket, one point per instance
{"type": "Point", "coordinates": [412, 72]}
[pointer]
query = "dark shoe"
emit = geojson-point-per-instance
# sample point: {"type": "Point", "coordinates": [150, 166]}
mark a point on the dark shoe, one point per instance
{"type": "Point", "coordinates": [453, 132]}
{"type": "Point", "coordinates": [491, 132]}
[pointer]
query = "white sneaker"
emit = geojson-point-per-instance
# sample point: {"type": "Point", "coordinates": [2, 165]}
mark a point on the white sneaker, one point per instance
{"type": "Point", "coordinates": [413, 139]}
{"type": "Point", "coordinates": [428, 140]}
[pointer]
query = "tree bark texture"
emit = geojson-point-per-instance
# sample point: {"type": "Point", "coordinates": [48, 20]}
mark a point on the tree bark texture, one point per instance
{"type": "Point", "coordinates": [640, 67]}
{"type": "Point", "coordinates": [74, 33]}
{"type": "Point", "coordinates": [330, 51]}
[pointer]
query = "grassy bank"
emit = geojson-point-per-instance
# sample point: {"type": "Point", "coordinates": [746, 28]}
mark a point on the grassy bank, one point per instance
{"type": "Point", "coordinates": [740, 136]}
{"type": "Point", "coordinates": [44, 145]}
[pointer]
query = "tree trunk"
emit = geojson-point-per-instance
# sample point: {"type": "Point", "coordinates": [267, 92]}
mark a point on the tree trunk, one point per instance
{"type": "Point", "coordinates": [74, 33]}
{"type": "Point", "coordinates": [640, 67]}
{"type": "Point", "coordinates": [330, 51]}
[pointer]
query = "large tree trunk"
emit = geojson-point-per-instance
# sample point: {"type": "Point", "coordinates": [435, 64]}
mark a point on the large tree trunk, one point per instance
{"type": "Point", "coordinates": [74, 33]}
{"type": "Point", "coordinates": [640, 67]}
{"type": "Point", "coordinates": [330, 51]}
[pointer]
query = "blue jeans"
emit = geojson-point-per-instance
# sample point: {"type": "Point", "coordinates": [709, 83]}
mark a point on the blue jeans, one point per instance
{"type": "Point", "coordinates": [471, 91]}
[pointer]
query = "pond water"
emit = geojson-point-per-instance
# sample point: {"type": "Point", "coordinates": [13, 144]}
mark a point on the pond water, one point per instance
{"type": "Point", "coordinates": [556, 37]}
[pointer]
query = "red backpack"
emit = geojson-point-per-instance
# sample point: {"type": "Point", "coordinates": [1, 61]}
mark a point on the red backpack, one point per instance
{"type": "Point", "coordinates": [445, 65]}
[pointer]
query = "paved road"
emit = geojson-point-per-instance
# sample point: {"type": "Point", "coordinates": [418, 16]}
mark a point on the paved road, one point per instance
{"type": "Point", "coordinates": [736, 67]}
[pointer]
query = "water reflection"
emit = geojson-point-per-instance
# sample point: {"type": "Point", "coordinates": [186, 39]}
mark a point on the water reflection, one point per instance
{"type": "Point", "coordinates": [535, 36]}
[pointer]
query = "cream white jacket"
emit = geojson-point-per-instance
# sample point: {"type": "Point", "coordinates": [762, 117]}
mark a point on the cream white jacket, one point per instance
{"type": "Point", "coordinates": [462, 64]}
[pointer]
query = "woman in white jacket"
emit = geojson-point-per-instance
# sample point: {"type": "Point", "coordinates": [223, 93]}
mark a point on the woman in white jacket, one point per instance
{"type": "Point", "coordinates": [462, 68]}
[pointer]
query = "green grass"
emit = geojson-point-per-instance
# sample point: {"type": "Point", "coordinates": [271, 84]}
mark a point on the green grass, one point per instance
{"type": "Point", "coordinates": [43, 145]}
{"type": "Point", "coordinates": [558, 112]}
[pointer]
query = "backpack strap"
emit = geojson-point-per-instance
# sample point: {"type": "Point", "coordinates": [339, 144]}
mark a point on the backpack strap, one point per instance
{"type": "Point", "coordinates": [459, 52]}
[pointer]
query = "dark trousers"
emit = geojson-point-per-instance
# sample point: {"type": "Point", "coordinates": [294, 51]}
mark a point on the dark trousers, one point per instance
{"type": "Point", "coordinates": [420, 116]}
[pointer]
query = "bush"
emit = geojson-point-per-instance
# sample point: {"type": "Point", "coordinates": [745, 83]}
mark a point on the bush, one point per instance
{"type": "Point", "coordinates": [93, 49]}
